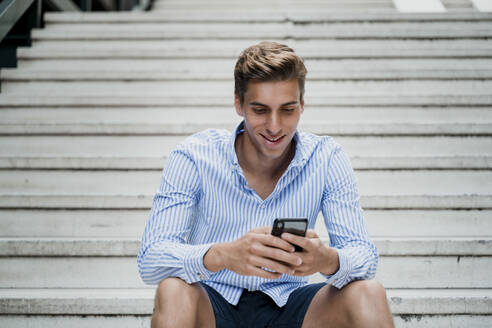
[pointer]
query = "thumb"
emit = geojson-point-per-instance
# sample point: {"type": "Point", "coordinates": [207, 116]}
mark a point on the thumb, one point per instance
{"type": "Point", "coordinates": [264, 230]}
{"type": "Point", "coordinates": [311, 234]}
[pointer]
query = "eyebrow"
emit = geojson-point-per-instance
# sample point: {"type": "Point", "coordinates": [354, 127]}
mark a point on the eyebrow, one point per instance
{"type": "Point", "coordinates": [255, 103]}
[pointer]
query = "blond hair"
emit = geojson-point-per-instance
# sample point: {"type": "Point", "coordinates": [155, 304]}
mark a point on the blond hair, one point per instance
{"type": "Point", "coordinates": [268, 61]}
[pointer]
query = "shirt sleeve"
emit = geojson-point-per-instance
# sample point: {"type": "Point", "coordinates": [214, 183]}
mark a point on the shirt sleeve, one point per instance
{"type": "Point", "coordinates": [358, 256]}
{"type": "Point", "coordinates": [164, 251]}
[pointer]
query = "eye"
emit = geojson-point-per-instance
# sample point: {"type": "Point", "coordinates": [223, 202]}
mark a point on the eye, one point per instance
{"type": "Point", "coordinates": [289, 109]}
{"type": "Point", "coordinates": [259, 110]}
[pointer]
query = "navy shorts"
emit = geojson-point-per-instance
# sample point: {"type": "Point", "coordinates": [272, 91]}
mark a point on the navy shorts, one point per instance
{"type": "Point", "coordinates": [258, 310]}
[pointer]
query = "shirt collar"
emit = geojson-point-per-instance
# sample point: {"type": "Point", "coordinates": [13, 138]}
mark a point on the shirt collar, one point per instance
{"type": "Point", "coordinates": [299, 159]}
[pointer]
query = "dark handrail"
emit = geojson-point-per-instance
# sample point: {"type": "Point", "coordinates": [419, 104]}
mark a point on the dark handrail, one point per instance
{"type": "Point", "coordinates": [10, 12]}
{"type": "Point", "coordinates": [18, 17]}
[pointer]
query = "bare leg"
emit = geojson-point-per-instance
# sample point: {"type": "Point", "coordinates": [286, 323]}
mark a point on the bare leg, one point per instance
{"type": "Point", "coordinates": [179, 304]}
{"type": "Point", "coordinates": [361, 303]}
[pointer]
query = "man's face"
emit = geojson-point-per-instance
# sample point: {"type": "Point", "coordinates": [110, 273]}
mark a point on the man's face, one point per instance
{"type": "Point", "coordinates": [271, 112]}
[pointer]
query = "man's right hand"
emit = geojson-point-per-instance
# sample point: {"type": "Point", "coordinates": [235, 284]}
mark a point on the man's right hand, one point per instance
{"type": "Point", "coordinates": [248, 254]}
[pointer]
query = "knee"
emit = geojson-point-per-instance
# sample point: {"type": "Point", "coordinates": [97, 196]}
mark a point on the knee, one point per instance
{"type": "Point", "coordinates": [174, 291]}
{"type": "Point", "coordinates": [367, 299]}
{"type": "Point", "coordinates": [368, 290]}
{"type": "Point", "coordinates": [171, 285]}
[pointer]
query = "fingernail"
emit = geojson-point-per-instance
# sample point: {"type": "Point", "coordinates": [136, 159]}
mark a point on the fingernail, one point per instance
{"type": "Point", "coordinates": [299, 261]}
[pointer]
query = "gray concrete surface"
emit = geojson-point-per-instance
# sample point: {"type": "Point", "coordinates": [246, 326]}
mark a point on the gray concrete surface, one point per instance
{"type": "Point", "coordinates": [407, 95]}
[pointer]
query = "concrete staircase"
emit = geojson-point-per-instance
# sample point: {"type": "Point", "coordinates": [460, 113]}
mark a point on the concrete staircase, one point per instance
{"type": "Point", "coordinates": [98, 102]}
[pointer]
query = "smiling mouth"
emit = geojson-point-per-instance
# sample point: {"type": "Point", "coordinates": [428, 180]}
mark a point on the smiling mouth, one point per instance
{"type": "Point", "coordinates": [273, 140]}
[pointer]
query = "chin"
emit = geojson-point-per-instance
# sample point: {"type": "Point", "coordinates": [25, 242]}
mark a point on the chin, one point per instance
{"type": "Point", "coordinates": [274, 153]}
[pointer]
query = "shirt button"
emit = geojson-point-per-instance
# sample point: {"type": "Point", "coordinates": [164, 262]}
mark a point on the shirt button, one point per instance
{"type": "Point", "coordinates": [262, 206]}
{"type": "Point", "coordinates": [200, 276]}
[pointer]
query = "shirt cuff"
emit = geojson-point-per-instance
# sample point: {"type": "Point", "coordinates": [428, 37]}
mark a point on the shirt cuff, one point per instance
{"type": "Point", "coordinates": [193, 265]}
{"type": "Point", "coordinates": [341, 277]}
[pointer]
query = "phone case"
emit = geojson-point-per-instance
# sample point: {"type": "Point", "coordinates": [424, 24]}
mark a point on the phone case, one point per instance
{"type": "Point", "coordinates": [293, 226]}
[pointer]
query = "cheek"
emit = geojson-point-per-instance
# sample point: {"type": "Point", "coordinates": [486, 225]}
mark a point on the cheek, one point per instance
{"type": "Point", "coordinates": [254, 121]}
{"type": "Point", "coordinates": [292, 121]}
{"type": "Point", "coordinates": [250, 127]}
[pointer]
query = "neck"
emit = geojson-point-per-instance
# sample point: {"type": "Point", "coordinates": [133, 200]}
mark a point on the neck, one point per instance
{"type": "Point", "coordinates": [257, 164]}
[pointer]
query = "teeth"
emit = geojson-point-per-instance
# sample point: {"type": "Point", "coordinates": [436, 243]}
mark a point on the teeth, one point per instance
{"type": "Point", "coordinates": [272, 140]}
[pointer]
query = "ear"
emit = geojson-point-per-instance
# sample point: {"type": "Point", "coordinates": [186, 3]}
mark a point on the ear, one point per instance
{"type": "Point", "coordinates": [302, 105]}
{"type": "Point", "coordinates": [237, 104]}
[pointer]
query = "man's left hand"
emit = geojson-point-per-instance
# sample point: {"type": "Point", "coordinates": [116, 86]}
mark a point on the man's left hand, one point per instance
{"type": "Point", "coordinates": [316, 257]}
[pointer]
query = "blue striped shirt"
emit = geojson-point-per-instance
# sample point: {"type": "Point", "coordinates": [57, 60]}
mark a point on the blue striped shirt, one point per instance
{"type": "Point", "coordinates": [204, 198]}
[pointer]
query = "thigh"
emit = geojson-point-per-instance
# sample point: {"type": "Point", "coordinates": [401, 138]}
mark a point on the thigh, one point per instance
{"type": "Point", "coordinates": [183, 303]}
{"type": "Point", "coordinates": [361, 303]}
{"type": "Point", "coordinates": [293, 312]}
{"type": "Point", "coordinates": [205, 316]}
{"type": "Point", "coordinates": [226, 315]}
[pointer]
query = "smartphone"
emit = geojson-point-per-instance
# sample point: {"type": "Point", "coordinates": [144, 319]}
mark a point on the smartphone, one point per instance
{"type": "Point", "coordinates": [293, 226]}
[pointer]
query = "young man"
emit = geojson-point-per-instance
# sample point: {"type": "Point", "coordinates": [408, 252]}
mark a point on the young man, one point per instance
{"type": "Point", "coordinates": [208, 242]}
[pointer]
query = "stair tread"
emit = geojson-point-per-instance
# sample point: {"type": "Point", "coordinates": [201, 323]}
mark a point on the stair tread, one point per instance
{"type": "Point", "coordinates": [118, 246]}
{"type": "Point", "coordinates": [405, 183]}
{"type": "Point", "coordinates": [140, 301]}
{"type": "Point", "coordinates": [265, 30]}
{"type": "Point", "coordinates": [66, 223]}
{"type": "Point", "coordinates": [298, 15]}
{"type": "Point", "coordinates": [346, 99]}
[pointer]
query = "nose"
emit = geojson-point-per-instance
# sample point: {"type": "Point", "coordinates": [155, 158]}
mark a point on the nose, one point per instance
{"type": "Point", "coordinates": [273, 125]}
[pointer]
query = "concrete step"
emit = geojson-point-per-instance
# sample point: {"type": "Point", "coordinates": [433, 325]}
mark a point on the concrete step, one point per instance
{"type": "Point", "coordinates": [90, 223]}
{"type": "Point", "coordinates": [343, 5]}
{"type": "Point", "coordinates": [86, 223]}
{"type": "Point", "coordinates": [298, 15]}
{"type": "Point", "coordinates": [129, 122]}
{"type": "Point", "coordinates": [220, 69]}
{"type": "Point", "coordinates": [139, 163]}
{"type": "Point", "coordinates": [334, 129]}
{"type": "Point", "coordinates": [187, 120]}
{"type": "Point", "coordinates": [308, 49]}
{"type": "Point", "coordinates": [419, 189]}
{"type": "Point", "coordinates": [150, 152]}
{"type": "Point", "coordinates": [254, 3]}
{"type": "Point", "coordinates": [96, 263]}
{"type": "Point", "coordinates": [161, 146]}
{"type": "Point", "coordinates": [131, 321]}
{"type": "Point", "coordinates": [217, 68]}
{"type": "Point", "coordinates": [225, 88]}
{"type": "Point", "coordinates": [128, 247]}
{"type": "Point", "coordinates": [435, 223]}
{"type": "Point", "coordinates": [80, 321]}
{"type": "Point", "coordinates": [261, 30]}
{"type": "Point", "coordinates": [334, 99]}
{"type": "Point", "coordinates": [314, 89]}
{"type": "Point", "coordinates": [340, 5]}
{"type": "Point", "coordinates": [449, 4]}
{"type": "Point", "coordinates": [140, 301]}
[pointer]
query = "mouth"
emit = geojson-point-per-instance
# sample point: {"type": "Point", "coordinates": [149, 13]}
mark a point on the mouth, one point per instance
{"type": "Point", "coordinates": [273, 141]}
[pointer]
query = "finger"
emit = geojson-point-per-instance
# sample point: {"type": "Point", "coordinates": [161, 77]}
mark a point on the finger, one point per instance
{"type": "Point", "coordinates": [276, 254]}
{"type": "Point", "coordinates": [296, 240]}
{"type": "Point", "coordinates": [277, 242]}
{"type": "Point", "coordinates": [271, 265]}
{"type": "Point", "coordinates": [263, 274]}
{"type": "Point", "coordinates": [263, 230]}
{"type": "Point", "coordinates": [311, 234]}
